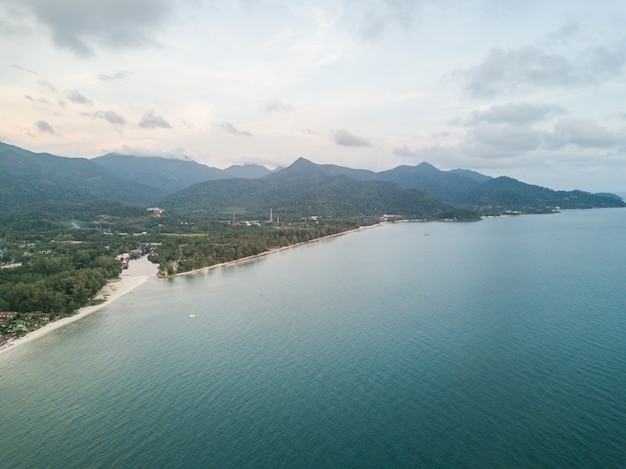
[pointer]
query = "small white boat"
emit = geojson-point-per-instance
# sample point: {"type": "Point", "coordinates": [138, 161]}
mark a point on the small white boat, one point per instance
{"type": "Point", "coordinates": [192, 315]}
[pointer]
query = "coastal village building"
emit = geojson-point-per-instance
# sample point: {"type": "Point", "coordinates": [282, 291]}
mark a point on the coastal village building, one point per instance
{"type": "Point", "coordinates": [14, 324]}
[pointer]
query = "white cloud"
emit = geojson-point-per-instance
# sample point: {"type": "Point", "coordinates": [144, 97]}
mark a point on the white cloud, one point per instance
{"type": "Point", "coordinates": [276, 105]}
{"type": "Point", "coordinates": [43, 101]}
{"type": "Point", "coordinates": [113, 76]}
{"type": "Point", "coordinates": [111, 117]}
{"type": "Point", "coordinates": [568, 31]}
{"type": "Point", "coordinates": [530, 67]}
{"type": "Point", "coordinates": [515, 113]}
{"type": "Point", "coordinates": [587, 133]}
{"type": "Point", "coordinates": [174, 153]}
{"type": "Point", "coordinates": [151, 121]}
{"type": "Point", "coordinates": [47, 86]}
{"type": "Point", "coordinates": [77, 97]}
{"type": "Point", "coordinates": [574, 132]}
{"type": "Point", "coordinates": [231, 129]}
{"type": "Point", "coordinates": [25, 69]}
{"type": "Point", "coordinates": [44, 127]}
{"type": "Point", "coordinates": [345, 138]}
{"type": "Point", "coordinates": [405, 152]}
{"type": "Point", "coordinates": [80, 25]}
{"type": "Point", "coordinates": [506, 137]}
{"type": "Point", "coordinates": [372, 20]}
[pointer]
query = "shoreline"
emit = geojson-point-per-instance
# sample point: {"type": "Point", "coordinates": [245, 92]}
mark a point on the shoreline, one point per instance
{"type": "Point", "coordinates": [244, 260]}
{"type": "Point", "coordinates": [138, 272]}
{"type": "Point", "coordinates": [136, 275]}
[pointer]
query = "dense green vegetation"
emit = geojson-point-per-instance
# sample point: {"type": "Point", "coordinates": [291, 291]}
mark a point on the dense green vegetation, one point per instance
{"type": "Point", "coordinates": [40, 181]}
{"type": "Point", "coordinates": [504, 194]}
{"type": "Point", "coordinates": [64, 263]}
{"type": "Point", "coordinates": [171, 175]}
{"type": "Point", "coordinates": [305, 189]}
{"type": "Point", "coordinates": [57, 280]}
{"type": "Point", "coordinates": [492, 196]}
{"type": "Point", "coordinates": [216, 243]}
{"type": "Point", "coordinates": [54, 262]}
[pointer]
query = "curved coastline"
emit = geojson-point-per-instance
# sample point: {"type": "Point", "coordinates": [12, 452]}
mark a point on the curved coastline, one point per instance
{"type": "Point", "coordinates": [138, 272]}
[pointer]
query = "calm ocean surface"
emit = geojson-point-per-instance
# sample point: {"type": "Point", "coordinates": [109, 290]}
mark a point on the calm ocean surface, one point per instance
{"type": "Point", "coordinates": [500, 343]}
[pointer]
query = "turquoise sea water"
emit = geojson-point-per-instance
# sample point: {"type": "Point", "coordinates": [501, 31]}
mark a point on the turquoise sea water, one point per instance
{"type": "Point", "coordinates": [500, 343]}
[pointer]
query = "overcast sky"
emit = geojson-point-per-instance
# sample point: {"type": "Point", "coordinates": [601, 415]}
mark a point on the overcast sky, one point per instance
{"type": "Point", "coordinates": [531, 89]}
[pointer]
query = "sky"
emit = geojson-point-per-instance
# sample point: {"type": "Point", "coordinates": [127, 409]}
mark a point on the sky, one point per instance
{"type": "Point", "coordinates": [533, 90]}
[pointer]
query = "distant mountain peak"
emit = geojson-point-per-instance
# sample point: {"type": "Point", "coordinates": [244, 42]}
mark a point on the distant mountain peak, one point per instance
{"type": "Point", "coordinates": [424, 166]}
{"type": "Point", "coordinates": [303, 162]}
{"type": "Point", "coordinates": [246, 171]}
{"type": "Point", "coordinates": [300, 165]}
{"type": "Point", "coordinates": [246, 165]}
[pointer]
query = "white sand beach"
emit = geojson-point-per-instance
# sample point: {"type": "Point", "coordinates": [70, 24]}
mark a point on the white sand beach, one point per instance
{"type": "Point", "coordinates": [138, 272]}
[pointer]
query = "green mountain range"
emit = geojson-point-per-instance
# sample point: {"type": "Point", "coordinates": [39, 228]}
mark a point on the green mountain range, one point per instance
{"type": "Point", "coordinates": [172, 175]}
{"type": "Point", "coordinates": [44, 183]}
{"type": "Point", "coordinates": [31, 182]}
{"type": "Point", "coordinates": [305, 189]}
{"type": "Point", "coordinates": [469, 189]}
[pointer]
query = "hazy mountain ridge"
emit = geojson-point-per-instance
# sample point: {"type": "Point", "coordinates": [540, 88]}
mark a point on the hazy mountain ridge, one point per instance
{"type": "Point", "coordinates": [504, 193]}
{"type": "Point", "coordinates": [29, 181]}
{"type": "Point", "coordinates": [304, 167]}
{"type": "Point", "coordinates": [171, 175]}
{"type": "Point", "coordinates": [446, 186]}
{"type": "Point", "coordinates": [306, 189]}
{"type": "Point", "coordinates": [40, 181]}
{"type": "Point", "coordinates": [335, 192]}
{"type": "Point", "coordinates": [245, 171]}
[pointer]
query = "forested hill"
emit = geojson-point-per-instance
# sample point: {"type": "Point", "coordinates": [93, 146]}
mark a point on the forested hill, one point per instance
{"type": "Point", "coordinates": [59, 186]}
{"type": "Point", "coordinates": [444, 185]}
{"type": "Point", "coordinates": [306, 189]}
{"type": "Point", "coordinates": [504, 193]}
{"type": "Point", "coordinates": [35, 181]}
{"type": "Point", "coordinates": [329, 189]}
{"type": "Point", "coordinates": [172, 175]}
{"type": "Point", "coordinates": [465, 188]}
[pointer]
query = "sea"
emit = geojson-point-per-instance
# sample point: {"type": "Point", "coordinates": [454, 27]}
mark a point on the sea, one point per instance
{"type": "Point", "coordinates": [491, 344]}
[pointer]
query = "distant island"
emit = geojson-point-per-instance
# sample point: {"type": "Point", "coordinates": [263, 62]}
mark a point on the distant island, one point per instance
{"type": "Point", "coordinates": [69, 225]}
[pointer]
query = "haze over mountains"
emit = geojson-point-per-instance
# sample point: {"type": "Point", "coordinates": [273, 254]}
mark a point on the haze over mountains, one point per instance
{"type": "Point", "coordinates": [31, 182]}
{"type": "Point", "coordinates": [170, 174]}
